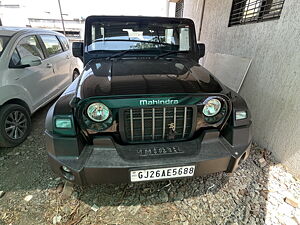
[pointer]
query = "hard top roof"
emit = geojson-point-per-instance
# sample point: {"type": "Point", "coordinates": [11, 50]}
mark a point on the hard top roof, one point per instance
{"type": "Point", "coordinates": [125, 19]}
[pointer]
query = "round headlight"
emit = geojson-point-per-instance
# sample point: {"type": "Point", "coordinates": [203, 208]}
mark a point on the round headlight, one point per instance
{"type": "Point", "coordinates": [212, 107]}
{"type": "Point", "coordinates": [98, 112]}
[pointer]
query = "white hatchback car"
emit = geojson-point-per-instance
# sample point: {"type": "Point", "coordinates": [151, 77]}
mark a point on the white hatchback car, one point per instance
{"type": "Point", "coordinates": [35, 67]}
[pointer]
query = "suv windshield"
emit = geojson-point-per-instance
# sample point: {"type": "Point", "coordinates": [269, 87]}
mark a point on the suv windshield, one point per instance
{"type": "Point", "coordinates": [158, 37]}
{"type": "Point", "coordinates": [3, 42]}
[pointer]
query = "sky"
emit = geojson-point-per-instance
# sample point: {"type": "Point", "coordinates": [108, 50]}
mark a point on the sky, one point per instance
{"type": "Point", "coordinates": [84, 8]}
{"type": "Point", "coordinates": [78, 9]}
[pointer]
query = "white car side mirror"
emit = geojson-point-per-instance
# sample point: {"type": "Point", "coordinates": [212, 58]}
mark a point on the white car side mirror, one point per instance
{"type": "Point", "coordinates": [30, 60]}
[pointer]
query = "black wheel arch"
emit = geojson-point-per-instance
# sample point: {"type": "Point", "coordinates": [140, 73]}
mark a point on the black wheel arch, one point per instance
{"type": "Point", "coordinates": [76, 70]}
{"type": "Point", "coordinates": [18, 101]}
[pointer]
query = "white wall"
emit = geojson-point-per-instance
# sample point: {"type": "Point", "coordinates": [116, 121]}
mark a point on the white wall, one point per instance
{"type": "Point", "coordinates": [193, 9]}
{"type": "Point", "coordinates": [272, 86]}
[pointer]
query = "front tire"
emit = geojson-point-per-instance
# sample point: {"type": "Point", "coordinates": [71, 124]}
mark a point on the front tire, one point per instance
{"type": "Point", "coordinates": [15, 125]}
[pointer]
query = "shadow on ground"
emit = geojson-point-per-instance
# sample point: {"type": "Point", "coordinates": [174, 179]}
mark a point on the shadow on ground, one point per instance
{"type": "Point", "coordinates": [213, 199]}
{"type": "Point", "coordinates": [25, 167]}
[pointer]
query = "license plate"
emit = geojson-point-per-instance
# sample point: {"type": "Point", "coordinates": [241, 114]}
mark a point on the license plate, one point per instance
{"type": "Point", "coordinates": [162, 173]}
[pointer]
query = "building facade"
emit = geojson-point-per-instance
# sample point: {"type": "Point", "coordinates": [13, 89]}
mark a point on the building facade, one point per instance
{"type": "Point", "coordinates": [33, 14]}
{"type": "Point", "coordinates": [267, 32]}
{"type": "Point", "coordinates": [74, 28]}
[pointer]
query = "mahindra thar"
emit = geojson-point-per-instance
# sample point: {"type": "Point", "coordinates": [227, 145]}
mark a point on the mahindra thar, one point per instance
{"type": "Point", "coordinates": [143, 109]}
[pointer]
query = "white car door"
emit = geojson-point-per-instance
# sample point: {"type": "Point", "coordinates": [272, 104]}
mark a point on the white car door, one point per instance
{"type": "Point", "coordinates": [38, 81]}
{"type": "Point", "coordinates": [69, 60]}
{"type": "Point", "coordinates": [59, 60]}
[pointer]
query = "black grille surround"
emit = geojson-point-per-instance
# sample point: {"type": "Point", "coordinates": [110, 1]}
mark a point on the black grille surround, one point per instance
{"type": "Point", "coordinates": [157, 123]}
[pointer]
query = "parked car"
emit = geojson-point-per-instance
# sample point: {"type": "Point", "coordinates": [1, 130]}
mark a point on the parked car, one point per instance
{"type": "Point", "coordinates": [35, 67]}
{"type": "Point", "coordinates": [143, 108]}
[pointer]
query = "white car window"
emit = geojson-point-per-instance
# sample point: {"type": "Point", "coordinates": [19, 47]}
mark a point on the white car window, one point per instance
{"type": "Point", "coordinates": [3, 41]}
{"type": "Point", "coordinates": [64, 42]}
{"type": "Point", "coordinates": [52, 44]}
{"type": "Point", "coordinates": [27, 46]}
{"type": "Point", "coordinates": [15, 58]}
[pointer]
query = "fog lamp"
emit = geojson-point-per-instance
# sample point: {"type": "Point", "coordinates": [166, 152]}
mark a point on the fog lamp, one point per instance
{"type": "Point", "coordinates": [66, 169]}
{"type": "Point", "coordinates": [67, 174]}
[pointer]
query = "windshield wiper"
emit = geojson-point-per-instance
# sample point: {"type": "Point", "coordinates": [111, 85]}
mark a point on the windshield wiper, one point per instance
{"type": "Point", "coordinates": [118, 54]}
{"type": "Point", "coordinates": [169, 53]}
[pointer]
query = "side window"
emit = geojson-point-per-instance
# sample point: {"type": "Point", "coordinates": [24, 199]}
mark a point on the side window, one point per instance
{"type": "Point", "coordinates": [64, 42]}
{"type": "Point", "coordinates": [27, 46]}
{"type": "Point", "coordinates": [52, 44]}
{"type": "Point", "coordinates": [15, 58]}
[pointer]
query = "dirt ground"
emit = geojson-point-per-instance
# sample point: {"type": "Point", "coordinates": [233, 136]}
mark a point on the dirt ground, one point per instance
{"type": "Point", "coordinates": [260, 192]}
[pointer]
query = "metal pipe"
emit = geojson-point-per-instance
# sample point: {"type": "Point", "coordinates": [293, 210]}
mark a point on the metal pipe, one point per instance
{"type": "Point", "coordinates": [167, 8]}
{"type": "Point", "coordinates": [201, 21]}
{"type": "Point", "coordinates": [62, 19]}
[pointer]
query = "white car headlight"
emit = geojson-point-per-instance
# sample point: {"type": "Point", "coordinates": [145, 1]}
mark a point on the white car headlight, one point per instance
{"type": "Point", "coordinates": [98, 112]}
{"type": "Point", "coordinates": [212, 107]}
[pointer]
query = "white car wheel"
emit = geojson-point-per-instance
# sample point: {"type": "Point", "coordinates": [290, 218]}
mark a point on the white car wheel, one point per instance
{"type": "Point", "coordinates": [15, 125]}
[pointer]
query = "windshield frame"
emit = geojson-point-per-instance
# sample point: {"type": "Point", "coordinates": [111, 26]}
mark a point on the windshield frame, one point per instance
{"type": "Point", "coordinates": [192, 53]}
{"type": "Point", "coordinates": [5, 44]}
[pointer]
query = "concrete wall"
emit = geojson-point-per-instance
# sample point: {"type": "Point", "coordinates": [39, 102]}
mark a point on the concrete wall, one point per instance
{"type": "Point", "coordinates": [272, 85]}
{"type": "Point", "coordinates": [193, 9]}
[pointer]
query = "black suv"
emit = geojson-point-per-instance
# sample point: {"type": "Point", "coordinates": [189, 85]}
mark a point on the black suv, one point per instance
{"type": "Point", "coordinates": [143, 108]}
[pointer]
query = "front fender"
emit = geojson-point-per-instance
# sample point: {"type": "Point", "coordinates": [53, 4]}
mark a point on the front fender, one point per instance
{"type": "Point", "coordinates": [49, 119]}
{"type": "Point", "coordinates": [76, 63]}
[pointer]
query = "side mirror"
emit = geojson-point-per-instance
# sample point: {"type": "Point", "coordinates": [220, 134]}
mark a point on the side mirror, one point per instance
{"type": "Point", "coordinates": [77, 49]}
{"type": "Point", "coordinates": [201, 50]}
{"type": "Point", "coordinates": [30, 60]}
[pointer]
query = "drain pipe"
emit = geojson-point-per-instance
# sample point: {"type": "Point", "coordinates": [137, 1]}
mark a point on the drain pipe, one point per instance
{"type": "Point", "coordinates": [201, 21]}
{"type": "Point", "coordinates": [167, 8]}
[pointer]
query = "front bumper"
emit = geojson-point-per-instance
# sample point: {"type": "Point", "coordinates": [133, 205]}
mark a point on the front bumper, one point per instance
{"type": "Point", "coordinates": [107, 162]}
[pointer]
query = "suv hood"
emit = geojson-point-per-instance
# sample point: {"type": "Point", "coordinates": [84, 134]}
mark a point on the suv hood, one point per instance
{"type": "Point", "coordinates": [133, 76]}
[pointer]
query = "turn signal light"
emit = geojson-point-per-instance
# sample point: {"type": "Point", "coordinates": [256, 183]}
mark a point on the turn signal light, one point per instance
{"type": "Point", "coordinates": [63, 123]}
{"type": "Point", "coordinates": [240, 115]}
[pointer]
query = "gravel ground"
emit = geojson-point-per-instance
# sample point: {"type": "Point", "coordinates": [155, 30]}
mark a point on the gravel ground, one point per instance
{"type": "Point", "coordinates": [261, 191]}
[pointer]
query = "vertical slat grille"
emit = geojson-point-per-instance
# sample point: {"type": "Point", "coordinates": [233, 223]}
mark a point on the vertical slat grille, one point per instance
{"type": "Point", "coordinates": [143, 125]}
{"type": "Point", "coordinates": [131, 124]}
{"type": "Point", "coordinates": [153, 124]}
{"type": "Point", "coordinates": [184, 122]}
{"type": "Point", "coordinates": [158, 124]}
{"type": "Point", "coordinates": [164, 123]}
{"type": "Point", "coordinates": [175, 118]}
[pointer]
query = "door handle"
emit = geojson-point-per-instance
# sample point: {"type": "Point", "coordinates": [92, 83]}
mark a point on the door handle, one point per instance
{"type": "Point", "coordinates": [49, 65]}
{"type": "Point", "coordinates": [68, 57]}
